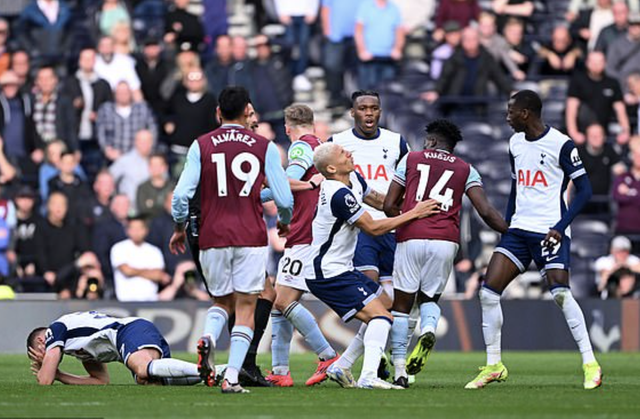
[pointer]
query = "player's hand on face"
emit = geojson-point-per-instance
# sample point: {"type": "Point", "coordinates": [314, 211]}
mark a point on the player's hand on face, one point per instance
{"type": "Point", "coordinates": [426, 208]}
{"type": "Point", "coordinates": [552, 238]}
{"type": "Point", "coordinates": [283, 229]}
{"type": "Point", "coordinates": [177, 242]}
{"type": "Point", "coordinates": [36, 355]}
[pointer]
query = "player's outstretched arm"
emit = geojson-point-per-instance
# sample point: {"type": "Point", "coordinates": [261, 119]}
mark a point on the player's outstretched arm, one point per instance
{"type": "Point", "coordinates": [98, 375]}
{"type": "Point", "coordinates": [279, 184]}
{"type": "Point", "coordinates": [375, 199]}
{"type": "Point", "coordinates": [487, 212]}
{"type": "Point", "coordinates": [379, 227]}
{"type": "Point", "coordinates": [393, 200]}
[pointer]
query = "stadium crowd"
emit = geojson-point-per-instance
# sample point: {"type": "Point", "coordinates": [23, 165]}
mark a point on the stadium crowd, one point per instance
{"type": "Point", "coordinates": [100, 100]}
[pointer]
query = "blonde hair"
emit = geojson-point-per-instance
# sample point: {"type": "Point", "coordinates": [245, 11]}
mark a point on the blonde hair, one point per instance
{"type": "Point", "coordinates": [298, 115]}
{"type": "Point", "coordinates": [322, 156]}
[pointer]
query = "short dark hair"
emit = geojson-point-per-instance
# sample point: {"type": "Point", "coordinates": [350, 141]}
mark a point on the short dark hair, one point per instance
{"type": "Point", "coordinates": [158, 155]}
{"type": "Point", "coordinates": [529, 100]}
{"type": "Point", "coordinates": [31, 339]}
{"type": "Point", "coordinates": [444, 130]}
{"type": "Point", "coordinates": [67, 153]}
{"type": "Point", "coordinates": [232, 101]}
{"type": "Point", "coordinates": [359, 93]}
{"type": "Point", "coordinates": [137, 218]}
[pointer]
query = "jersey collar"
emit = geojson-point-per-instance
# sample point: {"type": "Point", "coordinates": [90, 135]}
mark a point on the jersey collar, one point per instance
{"type": "Point", "coordinates": [545, 132]}
{"type": "Point", "coordinates": [353, 130]}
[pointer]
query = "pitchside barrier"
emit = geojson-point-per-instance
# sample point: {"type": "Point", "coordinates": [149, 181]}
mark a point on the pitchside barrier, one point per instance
{"type": "Point", "coordinates": [614, 325]}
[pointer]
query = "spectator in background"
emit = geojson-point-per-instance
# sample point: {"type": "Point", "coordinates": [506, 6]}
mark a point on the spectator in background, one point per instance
{"type": "Point", "coordinates": [462, 11]}
{"type": "Point", "coordinates": [87, 92]}
{"type": "Point", "coordinates": [21, 66]}
{"type": "Point", "coordinates": [185, 62]}
{"type": "Point", "coordinates": [111, 13]}
{"type": "Point", "coordinates": [115, 67]}
{"type": "Point", "coordinates": [593, 97]}
{"type": "Point", "coordinates": [152, 70]}
{"type": "Point", "coordinates": [626, 193]}
{"type": "Point", "coordinates": [190, 112]}
{"type": "Point", "coordinates": [107, 232]}
{"type": "Point", "coordinates": [71, 185]}
{"type": "Point", "coordinates": [617, 29]}
{"type": "Point", "coordinates": [623, 55]}
{"type": "Point", "coordinates": [632, 98]}
{"type": "Point", "coordinates": [217, 70]}
{"type": "Point", "coordinates": [379, 40]}
{"type": "Point", "coordinates": [16, 125]}
{"type": "Point", "coordinates": [416, 14]}
{"type": "Point", "coordinates": [138, 266]}
{"type": "Point", "coordinates": [5, 56]}
{"type": "Point", "coordinates": [183, 30]}
{"type": "Point", "coordinates": [623, 283]}
{"type": "Point", "coordinates": [123, 41]}
{"type": "Point", "coordinates": [51, 167]}
{"type": "Point", "coordinates": [338, 25]}
{"type": "Point", "coordinates": [215, 14]}
{"type": "Point", "coordinates": [132, 168]}
{"type": "Point", "coordinates": [275, 92]}
{"type": "Point", "coordinates": [521, 50]}
{"type": "Point", "coordinates": [505, 9]}
{"type": "Point", "coordinates": [44, 29]}
{"type": "Point", "coordinates": [469, 71]}
{"type": "Point", "coordinates": [619, 257]}
{"type": "Point", "coordinates": [602, 164]}
{"type": "Point", "coordinates": [28, 221]}
{"type": "Point", "coordinates": [241, 71]}
{"type": "Point", "coordinates": [560, 56]}
{"type": "Point", "coordinates": [53, 115]}
{"type": "Point", "coordinates": [586, 28]}
{"type": "Point", "coordinates": [151, 195]}
{"type": "Point", "coordinates": [7, 171]}
{"type": "Point", "coordinates": [118, 122]}
{"type": "Point", "coordinates": [497, 46]}
{"type": "Point", "coordinates": [60, 243]}
{"type": "Point", "coordinates": [576, 6]}
{"type": "Point", "coordinates": [298, 16]}
{"type": "Point", "coordinates": [452, 36]}
{"type": "Point", "coordinates": [96, 209]}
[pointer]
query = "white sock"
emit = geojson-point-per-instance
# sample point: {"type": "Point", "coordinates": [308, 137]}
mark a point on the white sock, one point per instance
{"type": "Point", "coordinates": [575, 320]}
{"type": "Point", "coordinates": [429, 317]}
{"type": "Point", "coordinates": [387, 286]}
{"type": "Point", "coordinates": [375, 339]}
{"type": "Point", "coordinates": [354, 350]}
{"type": "Point", "coordinates": [172, 368]}
{"type": "Point", "coordinates": [413, 323]}
{"type": "Point", "coordinates": [491, 324]}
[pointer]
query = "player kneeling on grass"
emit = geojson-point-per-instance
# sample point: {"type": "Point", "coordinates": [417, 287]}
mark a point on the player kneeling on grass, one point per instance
{"type": "Point", "coordinates": [95, 339]}
{"type": "Point", "coordinates": [331, 276]}
{"type": "Point", "coordinates": [427, 248]}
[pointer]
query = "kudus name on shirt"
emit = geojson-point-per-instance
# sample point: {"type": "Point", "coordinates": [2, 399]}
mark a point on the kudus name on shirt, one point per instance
{"type": "Point", "coordinates": [233, 135]}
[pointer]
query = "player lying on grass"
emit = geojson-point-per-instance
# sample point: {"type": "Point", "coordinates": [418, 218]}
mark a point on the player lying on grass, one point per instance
{"type": "Point", "coordinates": [95, 339]}
{"type": "Point", "coordinates": [331, 276]}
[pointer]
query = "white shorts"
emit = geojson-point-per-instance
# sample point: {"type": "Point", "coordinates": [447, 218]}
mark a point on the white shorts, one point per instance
{"type": "Point", "coordinates": [292, 266]}
{"type": "Point", "coordinates": [423, 265]}
{"type": "Point", "coordinates": [234, 269]}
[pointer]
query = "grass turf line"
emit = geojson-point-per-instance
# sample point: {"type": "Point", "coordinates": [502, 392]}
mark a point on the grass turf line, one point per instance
{"type": "Point", "coordinates": [540, 385]}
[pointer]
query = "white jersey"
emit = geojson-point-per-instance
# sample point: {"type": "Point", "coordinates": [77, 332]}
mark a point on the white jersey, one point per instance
{"type": "Point", "coordinates": [87, 335]}
{"type": "Point", "coordinates": [334, 235]}
{"type": "Point", "coordinates": [542, 169]}
{"type": "Point", "coordinates": [375, 158]}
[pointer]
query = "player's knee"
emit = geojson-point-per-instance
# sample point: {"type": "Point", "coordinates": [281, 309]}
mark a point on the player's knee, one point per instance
{"type": "Point", "coordinates": [141, 370]}
{"type": "Point", "coordinates": [489, 297]}
{"type": "Point", "coordinates": [561, 295]}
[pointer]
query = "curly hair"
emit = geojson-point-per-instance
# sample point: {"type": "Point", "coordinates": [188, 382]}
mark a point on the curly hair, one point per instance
{"type": "Point", "coordinates": [444, 130]}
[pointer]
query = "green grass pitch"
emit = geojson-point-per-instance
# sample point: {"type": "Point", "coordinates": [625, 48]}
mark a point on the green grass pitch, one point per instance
{"type": "Point", "coordinates": [540, 385]}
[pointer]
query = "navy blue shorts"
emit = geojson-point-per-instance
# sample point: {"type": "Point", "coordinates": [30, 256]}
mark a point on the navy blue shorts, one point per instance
{"type": "Point", "coordinates": [521, 247]}
{"type": "Point", "coordinates": [346, 294]}
{"type": "Point", "coordinates": [376, 254]}
{"type": "Point", "coordinates": [140, 334]}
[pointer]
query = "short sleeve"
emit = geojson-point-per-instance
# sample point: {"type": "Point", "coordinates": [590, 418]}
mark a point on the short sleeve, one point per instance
{"type": "Point", "coordinates": [118, 255]}
{"type": "Point", "coordinates": [474, 179]}
{"type": "Point", "coordinates": [345, 206]}
{"type": "Point", "coordinates": [401, 172]}
{"type": "Point", "coordinates": [56, 335]}
{"type": "Point", "coordinates": [366, 189]}
{"type": "Point", "coordinates": [301, 154]}
{"type": "Point", "coordinates": [361, 13]}
{"type": "Point", "coordinates": [570, 161]}
{"type": "Point", "coordinates": [512, 163]}
{"type": "Point", "coordinates": [404, 147]}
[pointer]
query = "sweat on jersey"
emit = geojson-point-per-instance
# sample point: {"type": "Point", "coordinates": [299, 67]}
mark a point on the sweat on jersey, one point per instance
{"type": "Point", "coordinates": [375, 158]}
{"type": "Point", "coordinates": [542, 168]}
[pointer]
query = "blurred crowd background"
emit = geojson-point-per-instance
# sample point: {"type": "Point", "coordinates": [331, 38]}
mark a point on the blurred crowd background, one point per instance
{"type": "Point", "coordinates": [100, 99]}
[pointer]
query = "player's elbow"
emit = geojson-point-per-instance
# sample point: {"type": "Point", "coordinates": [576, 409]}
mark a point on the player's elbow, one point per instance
{"type": "Point", "coordinates": [44, 380]}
